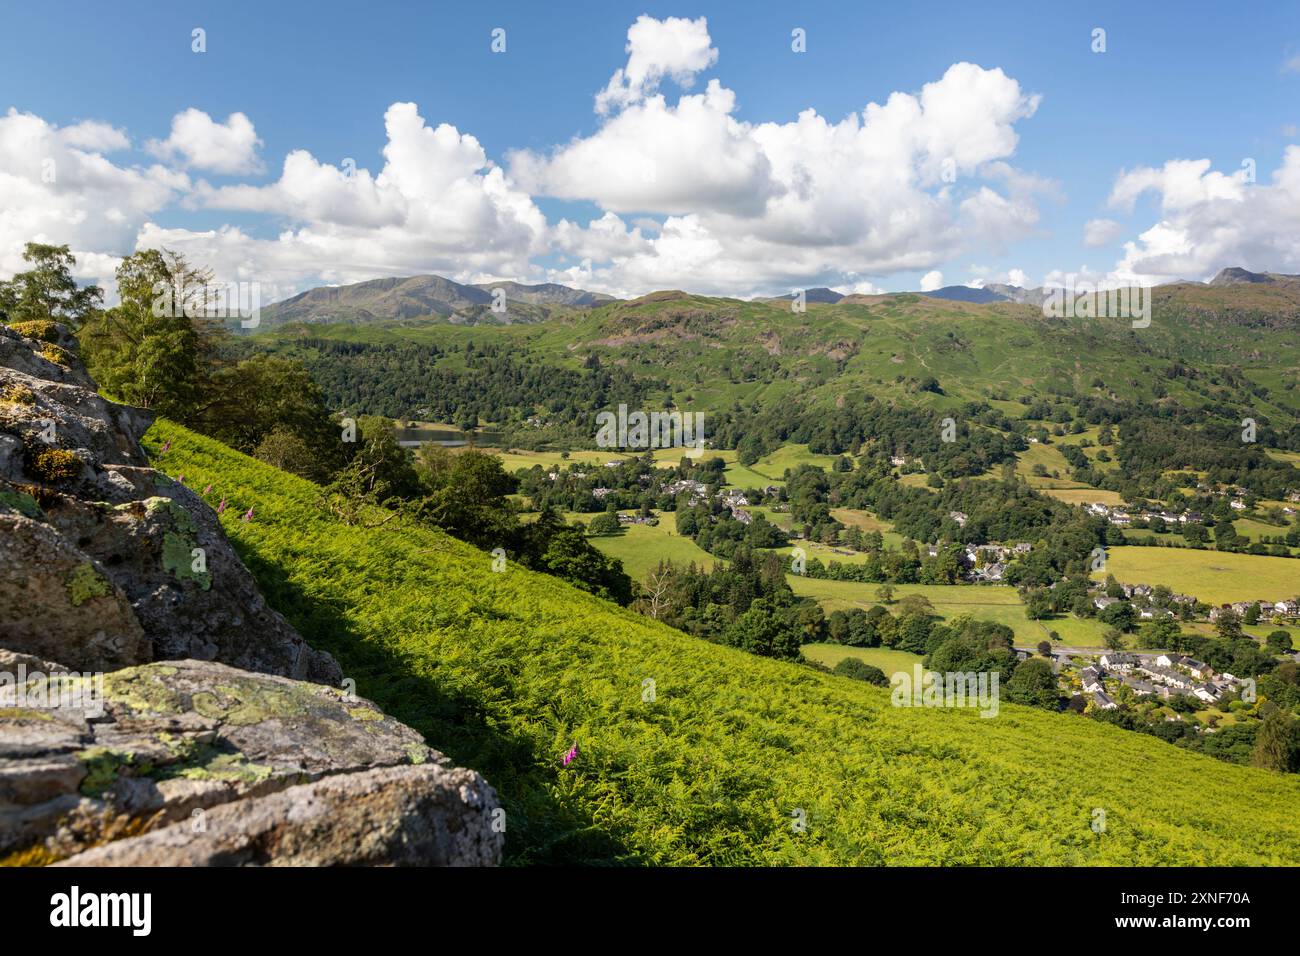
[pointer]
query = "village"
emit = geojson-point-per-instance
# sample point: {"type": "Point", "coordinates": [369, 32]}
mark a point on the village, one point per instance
{"type": "Point", "coordinates": [1125, 517]}
{"type": "Point", "coordinates": [1104, 677]}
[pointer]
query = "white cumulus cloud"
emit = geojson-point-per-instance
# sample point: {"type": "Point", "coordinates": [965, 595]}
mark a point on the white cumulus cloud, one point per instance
{"type": "Point", "coordinates": [932, 280]}
{"type": "Point", "coordinates": [902, 185]}
{"type": "Point", "coordinates": [59, 187]}
{"type": "Point", "coordinates": [197, 141]}
{"type": "Point", "coordinates": [674, 47]}
{"type": "Point", "coordinates": [1101, 232]}
{"type": "Point", "coordinates": [437, 205]}
{"type": "Point", "coordinates": [1210, 220]}
{"type": "Point", "coordinates": [688, 194]}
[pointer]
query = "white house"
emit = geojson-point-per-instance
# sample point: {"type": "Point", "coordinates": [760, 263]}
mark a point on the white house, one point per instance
{"type": "Point", "coordinates": [1206, 692]}
{"type": "Point", "coordinates": [1199, 669]}
{"type": "Point", "coordinates": [1169, 677]}
{"type": "Point", "coordinates": [1118, 661]}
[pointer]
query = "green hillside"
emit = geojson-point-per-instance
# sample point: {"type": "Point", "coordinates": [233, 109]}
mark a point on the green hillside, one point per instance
{"type": "Point", "coordinates": [506, 671]}
{"type": "Point", "coordinates": [713, 352]}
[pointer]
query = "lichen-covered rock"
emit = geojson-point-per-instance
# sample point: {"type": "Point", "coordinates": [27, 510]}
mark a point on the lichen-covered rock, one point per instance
{"type": "Point", "coordinates": [106, 561]}
{"type": "Point", "coordinates": [100, 758]}
{"type": "Point", "coordinates": [105, 758]}
{"type": "Point", "coordinates": [57, 604]}
{"type": "Point", "coordinates": [395, 816]}
{"type": "Point", "coordinates": [42, 350]}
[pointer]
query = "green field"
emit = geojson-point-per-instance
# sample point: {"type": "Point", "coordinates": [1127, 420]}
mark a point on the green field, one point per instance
{"type": "Point", "coordinates": [983, 602]}
{"type": "Point", "coordinates": [887, 660]}
{"type": "Point", "coordinates": [770, 469]}
{"type": "Point", "coordinates": [641, 547]}
{"type": "Point", "coordinates": [1052, 460]}
{"type": "Point", "coordinates": [782, 519]}
{"type": "Point", "coordinates": [1258, 631]}
{"type": "Point", "coordinates": [1083, 495]}
{"type": "Point", "coordinates": [515, 459]}
{"type": "Point", "coordinates": [823, 552]}
{"type": "Point", "coordinates": [1216, 577]}
{"type": "Point", "coordinates": [868, 522]}
{"type": "Point", "coordinates": [504, 672]}
{"type": "Point", "coordinates": [1247, 528]}
{"type": "Point", "coordinates": [1255, 530]}
{"type": "Point", "coordinates": [917, 480]}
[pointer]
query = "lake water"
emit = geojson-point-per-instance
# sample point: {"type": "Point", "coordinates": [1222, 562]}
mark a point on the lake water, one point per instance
{"type": "Point", "coordinates": [447, 437]}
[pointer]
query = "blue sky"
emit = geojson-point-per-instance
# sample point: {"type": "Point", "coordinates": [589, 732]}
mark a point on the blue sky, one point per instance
{"type": "Point", "coordinates": [1177, 82]}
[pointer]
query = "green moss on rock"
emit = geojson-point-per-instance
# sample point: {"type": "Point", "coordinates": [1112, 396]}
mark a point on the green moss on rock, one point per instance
{"type": "Point", "coordinates": [251, 701]}
{"type": "Point", "coordinates": [226, 767]}
{"type": "Point", "coordinates": [178, 559]}
{"type": "Point", "coordinates": [23, 713]}
{"type": "Point", "coordinates": [143, 689]}
{"type": "Point", "coordinates": [21, 502]}
{"type": "Point", "coordinates": [104, 765]}
{"type": "Point", "coordinates": [85, 585]}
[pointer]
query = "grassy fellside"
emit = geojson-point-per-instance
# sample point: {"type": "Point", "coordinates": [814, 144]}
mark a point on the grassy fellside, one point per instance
{"type": "Point", "coordinates": [1216, 577]}
{"type": "Point", "coordinates": [504, 672]}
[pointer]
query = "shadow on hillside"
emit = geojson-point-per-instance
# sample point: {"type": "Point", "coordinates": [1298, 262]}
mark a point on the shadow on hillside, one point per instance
{"type": "Point", "coordinates": [540, 830]}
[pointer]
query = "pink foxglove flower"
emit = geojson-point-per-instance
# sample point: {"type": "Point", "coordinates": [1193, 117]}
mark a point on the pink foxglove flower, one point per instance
{"type": "Point", "coordinates": [248, 515]}
{"type": "Point", "coordinates": [167, 446]}
{"type": "Point", "coordinates": [180, 479]}
{"type": "Point", "coordinates": [221, 508]}
{"type": "Point", "coordinates": [571, 756]}
{"type": "Point", "coordinates": [207, 490]}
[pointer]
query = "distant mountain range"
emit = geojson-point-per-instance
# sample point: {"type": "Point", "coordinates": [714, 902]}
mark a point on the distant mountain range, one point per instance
{"type": "Point", "coordinates": [963, 293]}
{"type": "Point", "coordinates": [420, 297]}
{"type": "Point", "coordinates": [819, 294]}
{"type": "Point", "coordinates": [1238, 276]}
{"type": "Point", "coordinates": [424, 297]}
{"type": "Point", "coordinates": [997, 292]}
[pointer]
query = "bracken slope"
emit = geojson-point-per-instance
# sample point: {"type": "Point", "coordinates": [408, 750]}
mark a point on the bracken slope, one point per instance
{"type": "Point", "coordinates": [725, 758]}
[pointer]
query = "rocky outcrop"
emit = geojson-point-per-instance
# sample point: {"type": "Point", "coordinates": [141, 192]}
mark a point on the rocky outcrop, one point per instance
{"type": "Point", "coordinates": [107, 562]}
{"type": "Point", "coordinates": [88, 760]}
{"type": "Point", "coordinates": [396, 816]}
{"type": "Point", "coordinates": [153, 709]}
